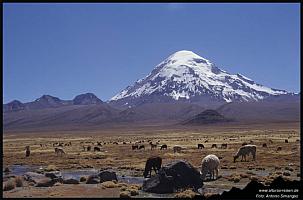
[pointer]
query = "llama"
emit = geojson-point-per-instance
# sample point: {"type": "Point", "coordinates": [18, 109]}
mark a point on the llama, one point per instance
{"type": "Point", "coordinates": [152, 163]}
{"type": "Point", "coordinates": [177, 149]}
{"type": "Point", "coordinates": [59, 150]}
{"type": "Point", "coordinates": [200, 146]}
{"type": "Point", "coordinates": [210, 164]}
{"type": "Point", "coordinates": [246, 150]}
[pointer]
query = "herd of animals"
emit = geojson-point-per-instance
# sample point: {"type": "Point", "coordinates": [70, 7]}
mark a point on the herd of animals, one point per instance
{"type": "Point", "coordinates": [209, 166]}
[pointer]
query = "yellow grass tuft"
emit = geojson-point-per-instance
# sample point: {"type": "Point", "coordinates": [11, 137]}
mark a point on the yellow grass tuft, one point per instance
{"type": "Point", "coordinates": [186, 194]}
{"type": "Point", "coordinates": [19, 181]}
{"type": "Point", "coordinates": [109, 184]}
{"type": "Point", "coordinates": [9, 185]}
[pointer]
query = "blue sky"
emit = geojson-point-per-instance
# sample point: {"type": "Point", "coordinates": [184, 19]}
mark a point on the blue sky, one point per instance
{"type": "Point", "coordinates": [68, 49]}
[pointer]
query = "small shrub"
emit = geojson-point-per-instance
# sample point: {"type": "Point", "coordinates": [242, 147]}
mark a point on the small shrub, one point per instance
{"type": "Point", "coordinates": [109, 184]}
{"type": "Point", "coordinates": [134, 192]}
{"type": "Point", "coordinates": [286, 173]}
{"type": "Point", "coordinates": [50, 168]}
{"type": "Point", "coordinates": [124, 194]}
{"type": "Point", "coordinates": [186, 194]}
{"type": "Point", "coordinates": [9, 185]}
{"type": "Point", "coordinates": [19, 181]}
{"type": "Point", "coordinates": [289, 169]}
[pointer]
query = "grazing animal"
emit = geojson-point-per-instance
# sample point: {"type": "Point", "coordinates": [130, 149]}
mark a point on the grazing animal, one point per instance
{"type": "Point", "coordinates": [246, 150]}
{"type": "Point", "coordinates": [97, 149]}
{"type": "Point", "coordinates": [88, 148]}
{"type": "Point", "coordinates": [41, 145]}
{"type": "Point", "coordinates": [177, 149]}
{"type": "Point", "coordinates": [286, 141]}
{"type": "Point", "coordinates": [134, 147]}
{"type": "Point", "coordinates": [224, 146]}
{"type": "Point", "coordinates": [142, 147]}
{"type": "Point", "coordinates": [279, 148]}
{"type": "Point", "coordinates": [244, 143]}
{"type": "Point", "coordinates": [164, 146]}
{"type": "Point", "coordinates": [155, 163]}
{"type": "Point", "coordinates": [153, 146]}
{"type": "Point", "coordinates": [27, 151]}
{"type": "Point", "coordinates": [214, 146]}
{"type": "Point", "coordinates": [210, 164]}
{"type": "Point", "coordinates": [264, 145]}
{"type": "Point", "coordinates": [200, 146]}
{"type": "Point", "coordinates": [59, 150]}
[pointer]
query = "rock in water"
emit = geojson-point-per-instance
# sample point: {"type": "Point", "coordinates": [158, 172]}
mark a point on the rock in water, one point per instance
{"type": "Point", "coordinates": [176, 175]}
{"type": "Point", "coordinates": [53, 174]}
{"type": "Point", "coordinates": [71, 181]}
{"type": "Point", "coordinates": [38, 179]}
{"type": "Point", "coordinates": [107, 176]}
{"type": "Point", "coordinates": [93, 179]}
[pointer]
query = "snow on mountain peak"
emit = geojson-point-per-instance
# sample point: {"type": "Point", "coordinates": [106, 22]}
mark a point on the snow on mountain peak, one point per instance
{"type": "Point", "coordinates": [187, 75]}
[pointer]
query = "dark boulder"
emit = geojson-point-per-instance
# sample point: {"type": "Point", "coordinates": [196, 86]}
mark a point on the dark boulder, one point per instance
{"type": "Point", "coordinates": [107, 176]}
{"type": "Point", "coordinates": [174, 176]}
{"type": "Point", "coordinates": [93, 179]}
{"type": "Point", "coordinates": [253, 188]}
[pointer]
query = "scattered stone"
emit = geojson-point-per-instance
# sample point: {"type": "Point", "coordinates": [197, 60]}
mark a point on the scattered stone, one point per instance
{"type": "Point", "coordinates": [82, 179]}
{"type": "Point", "coordinates": [6, 170]}
{"type": "Point", "coordinates": [93, 179]}
{"type": "Point", "coordinates": [71, 181]}
{"type": "Point", "coordinates": [286, 173]}
{"type": "Point", "coordinates": [289, 169]}
{"type": "Point", "coordinates": [53, 174]}
{"type": "Point", "coordinates": [44, 182]}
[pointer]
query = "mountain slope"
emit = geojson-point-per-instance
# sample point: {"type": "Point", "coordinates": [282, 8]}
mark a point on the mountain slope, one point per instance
{"type": "Point", "coordinates": [185, 76]}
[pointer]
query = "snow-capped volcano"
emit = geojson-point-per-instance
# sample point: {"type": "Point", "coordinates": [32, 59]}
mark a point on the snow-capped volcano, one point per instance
{"type": "Point", "coordinates": [187, 76]}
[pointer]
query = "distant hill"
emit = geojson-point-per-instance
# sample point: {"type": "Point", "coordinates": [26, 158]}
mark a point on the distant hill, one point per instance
{"type": "Point", "coordinates": [207, 117]}
{"type": "Point", "coordinates": [278, 108]}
